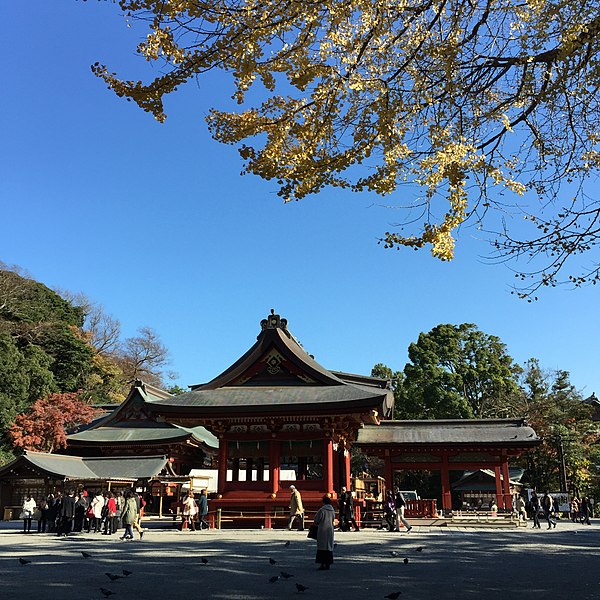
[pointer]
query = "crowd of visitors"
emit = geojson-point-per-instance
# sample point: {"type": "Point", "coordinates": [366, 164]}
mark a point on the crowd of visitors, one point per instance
{"type": "Point", "coordinates": [581, 510]}
{"type": "Point", "coordinates": [548, 508]}
{"type": "Point", "coordinates": [101, 512]}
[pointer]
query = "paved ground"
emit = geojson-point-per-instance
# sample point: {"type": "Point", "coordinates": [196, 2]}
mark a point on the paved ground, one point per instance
{"type": "Point", "coordinates": [455, 563]}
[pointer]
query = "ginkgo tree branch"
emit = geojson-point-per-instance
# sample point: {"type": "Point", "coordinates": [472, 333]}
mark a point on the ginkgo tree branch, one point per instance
{"type": "Point", "coordinates": [458, 97]}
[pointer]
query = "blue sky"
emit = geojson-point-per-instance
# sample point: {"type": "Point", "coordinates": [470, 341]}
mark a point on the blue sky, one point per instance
{"type": "Point", "coordinates": [155, 223]}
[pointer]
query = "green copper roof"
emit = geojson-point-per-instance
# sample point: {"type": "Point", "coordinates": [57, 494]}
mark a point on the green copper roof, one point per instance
{"type": "Point", "coordinates": [82, 468]}
{"type": "Point", "coordinates": [449, 431]}
{"type": "Point", "coordinates": [130, 434]}
{"type": "Point", "coordinates": [265, 398]}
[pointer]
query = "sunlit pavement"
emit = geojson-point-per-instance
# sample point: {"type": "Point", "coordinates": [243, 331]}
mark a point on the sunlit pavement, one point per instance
{"type": "Point", "coordinates": [453, 563]}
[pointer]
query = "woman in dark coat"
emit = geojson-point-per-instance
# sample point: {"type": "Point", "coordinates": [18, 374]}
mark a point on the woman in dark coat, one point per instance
{"type": "Point", "coordinates": [324, 519]}
{"type": "Point", "coordinates": [81, 506]}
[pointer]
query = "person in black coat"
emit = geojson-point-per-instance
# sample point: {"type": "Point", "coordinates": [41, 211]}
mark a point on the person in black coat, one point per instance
{"type": "Point", "coordinates": [67, 514]}
{"type": "Point", "coordinates": [81, 506]}
{"type": "Point", "coordinates": [54, 506]}
{"type": "Point", "coordinates": [585, 510]}
{"type": "Point", "coordinates": [346, 507]}
{"type": "Point", "coordinates": [535, 510]}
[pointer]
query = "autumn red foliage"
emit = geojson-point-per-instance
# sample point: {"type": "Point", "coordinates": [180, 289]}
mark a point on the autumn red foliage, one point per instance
{"type": "Point", "coordinates": [43, 427]}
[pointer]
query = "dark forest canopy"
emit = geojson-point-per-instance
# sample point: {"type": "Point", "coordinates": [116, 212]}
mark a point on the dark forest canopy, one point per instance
{"type": "Point", "coordinates": [458, 371]}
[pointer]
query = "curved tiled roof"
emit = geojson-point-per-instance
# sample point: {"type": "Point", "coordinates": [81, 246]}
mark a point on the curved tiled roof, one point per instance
{"type": "Point", "coordinates": [131, 435]}
{"type": "Point", "coordinates": [129, 468]}
{"type": "Point", "coordinates": [277, 374]}
{"type": "Point", "coordinates": [449, 431]}
{"type": "Point", "coordinates": [264, 398]}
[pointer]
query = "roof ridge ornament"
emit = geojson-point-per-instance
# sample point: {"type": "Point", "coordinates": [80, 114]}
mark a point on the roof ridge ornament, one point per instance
{"type": "Point", "coordinates": [273, 321]}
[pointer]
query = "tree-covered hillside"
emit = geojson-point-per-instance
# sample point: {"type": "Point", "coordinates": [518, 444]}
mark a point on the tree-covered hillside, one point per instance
{"type": "Point", "coordinates": [53, 343]}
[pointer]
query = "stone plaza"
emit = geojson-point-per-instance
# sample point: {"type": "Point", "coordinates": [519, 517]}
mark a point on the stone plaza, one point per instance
{"type": "Point", "coordinates": [443, 562]}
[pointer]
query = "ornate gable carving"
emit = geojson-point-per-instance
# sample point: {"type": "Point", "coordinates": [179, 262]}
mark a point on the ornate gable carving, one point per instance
{"type": "Point", "coordinates": [274, 369]}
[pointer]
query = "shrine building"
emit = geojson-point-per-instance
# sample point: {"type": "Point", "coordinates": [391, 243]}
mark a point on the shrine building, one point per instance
{"type": "Point", "coordinates": [281, 419]}
{"type": "Point", "coordinates": [276, 417]}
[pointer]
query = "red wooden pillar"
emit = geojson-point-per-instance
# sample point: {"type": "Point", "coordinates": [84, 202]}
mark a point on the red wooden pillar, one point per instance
{"type": "Point", "coordinates": [274, 465]}
{"type": "Point", "coordinates": [388, 472]}
{"type": "Point", "coordinates": [446, 493]}
{"type": "Point", "coordinates": [328, 464]}
{"type": "Point", "coordinates": [499, 498]}
{"type": "Point", "coordinates": [347, 480]}
{"type": "Point", "coordinates": [222, 466]}
{"type": "Point", "coordinates": [338, 470]}
{"type": "Point", "coordinates": [506, 480]}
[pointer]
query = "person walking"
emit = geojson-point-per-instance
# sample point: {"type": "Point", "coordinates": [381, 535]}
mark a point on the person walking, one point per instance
{"type": "Point", "coordinates": [585, 510]}
{"type": "Point", "coordinates": [203, 509]}
{"type": "Point", "coordinates": [520, 508]}
{"type": "Point", "coordinates": [296, 509]}
{"type": "Point", "coordinates": [535, 509]}
{"type": "Point", "coordinates": [324, 519]}
{"type": "Point", "coordinates": [27, 512]}
{"type": "Point", "coordinates": [140, 504]}
{"type": "Point", "coordinates": [400, 504]}
{"type": "Point", "coordinates": [346, 507]}
{"type": "Point", "coordinates": [389, 512]}
{"type": "Point", "coordinates": [129, 516]}
{"type": "Point", "coordinates": [189, 512]}
{"type": "Point", "coordinates": [575, 503]}
{"type": "Point", "coordinates": [548, 506]}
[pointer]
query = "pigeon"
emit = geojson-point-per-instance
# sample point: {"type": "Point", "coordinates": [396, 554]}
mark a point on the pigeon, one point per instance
{"type": "Point", "coordinates": [24, 561]}
{"type": "Point", "coordinates": [106, 593]}
{"type": "Point", "coordinates": [272, 561]}
{"type": "Point", "coordinates": [393, 595]}
{"type": "Point", "coordinates": [86, 554]}
{"type": "Point", "coordinates": [286, 575]}
{"type": "Point", "coordinates": [287, 544]}
{"type": "Point", "coordinates": [274, 578]}
{"type": "Point", "coordinates": [113, 577]}
{"type": "Point", "coordinates": [204, 561]}
{"type": "Point", "coordinates": [127, 573]}
{"type": "Point", "coordinates": [300, 587]}
{"type": "Point", "coordinates": [419, 549]}
{"type": "Point", "coordinates": [406, 561]}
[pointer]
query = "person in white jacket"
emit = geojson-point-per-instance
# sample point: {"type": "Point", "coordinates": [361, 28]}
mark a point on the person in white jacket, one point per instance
{"type": "Point", "coordinates": [29, 506]}
{"type": "Point", "coordinates": [97, 505]}
{"type": "Point", "coordinates": [324, 519]}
